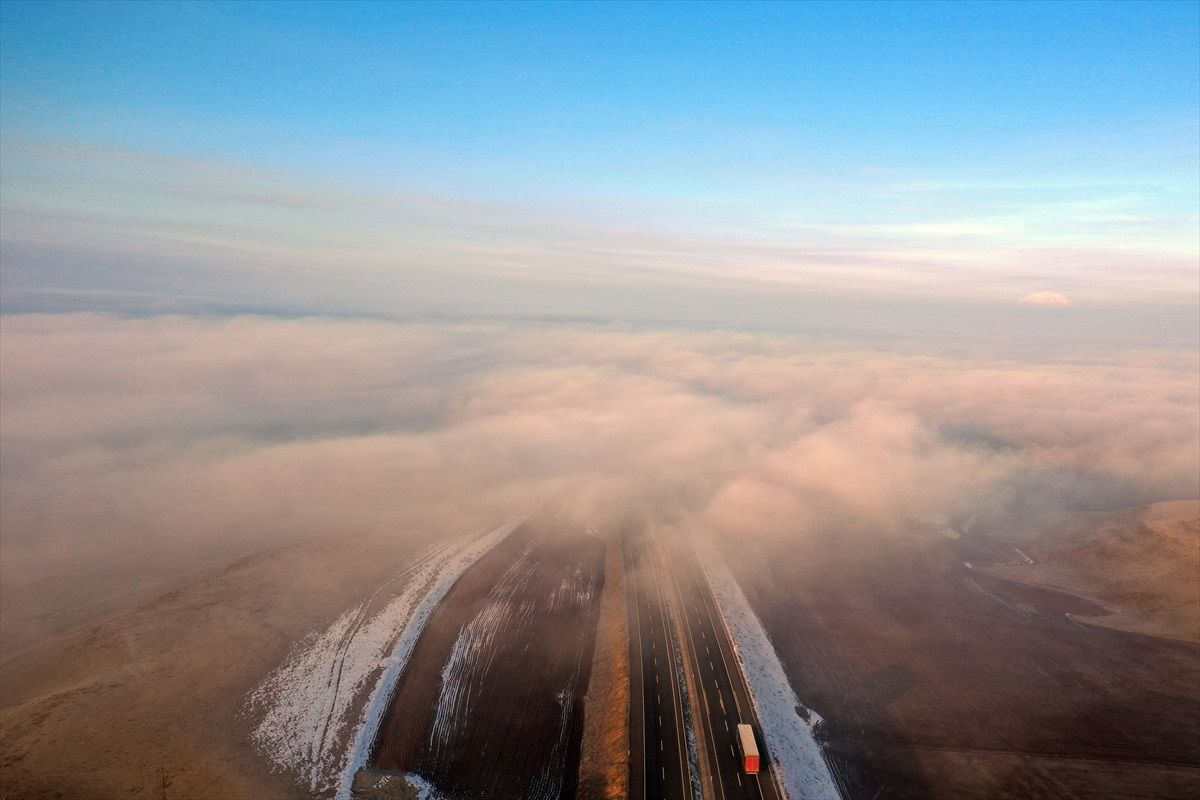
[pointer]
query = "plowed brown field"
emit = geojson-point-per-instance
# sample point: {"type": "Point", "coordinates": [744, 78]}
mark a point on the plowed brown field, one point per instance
{"type": "Point", "coordinates": [489, 704]}
{"type": "Point", "coordinates": [938, 680]}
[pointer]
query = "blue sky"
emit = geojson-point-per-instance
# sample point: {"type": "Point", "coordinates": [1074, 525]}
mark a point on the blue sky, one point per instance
{"type": "Point", "coordinates": [957, 134]}
{"type": "Point", "coordinates": [707, 93]}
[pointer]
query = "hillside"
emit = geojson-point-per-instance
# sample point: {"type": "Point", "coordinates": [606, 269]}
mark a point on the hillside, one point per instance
{"type": "Point", "coordinates": [1142, 562]}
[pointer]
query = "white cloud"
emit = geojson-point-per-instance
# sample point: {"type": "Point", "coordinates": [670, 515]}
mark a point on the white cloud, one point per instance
{"type": "Point", "coordinates": [1046, 299]}
{"type": "Point", "coordinates": [153, 439]}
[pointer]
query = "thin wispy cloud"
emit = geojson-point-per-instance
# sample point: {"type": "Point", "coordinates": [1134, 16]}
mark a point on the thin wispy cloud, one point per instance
{"type": "Point", "coordinates": [80, 218]}
{"type": "Point", "coordinates": [1053, 299]}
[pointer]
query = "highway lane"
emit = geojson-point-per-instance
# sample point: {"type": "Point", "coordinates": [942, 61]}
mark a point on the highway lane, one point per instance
{"type": "Point", "coordinates": [724, 699]}
{"type": "Point", "coordinates": [658, 767]}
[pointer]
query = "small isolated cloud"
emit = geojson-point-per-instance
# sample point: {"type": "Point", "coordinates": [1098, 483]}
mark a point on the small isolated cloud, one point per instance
{"type": "Point", "coordinates": [1046, 299]}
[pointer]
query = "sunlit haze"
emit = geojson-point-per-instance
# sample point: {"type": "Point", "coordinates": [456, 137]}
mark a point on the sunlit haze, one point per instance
{"type": "Point", "coordinates": [408, 399]}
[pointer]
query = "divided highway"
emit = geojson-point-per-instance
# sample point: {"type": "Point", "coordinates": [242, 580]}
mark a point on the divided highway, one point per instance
{"type": "Point", "coordinates": [657, 739]}
{"type": "Point", "coordinates": [658, 744]}
{"type": "Point", "coordinates": [724, 699]}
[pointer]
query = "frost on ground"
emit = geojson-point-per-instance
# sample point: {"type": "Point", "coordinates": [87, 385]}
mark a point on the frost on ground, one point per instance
{"type": "Point", "coordinates": [424, 789]}
{"type": "Point", "coordinates": [1025, 559]}
{"type": "Point", "coordinates": [475, 650]}
{"type": "Point", "coordinates": [796, 756]}
{"type": "Point", "coordinates": [307, 702]}
{"type": "Point", "coordinates": [512, 615]}
{"type": "Point", "coordinates": [689, 727]}
{"type": "Point", "coordinates": [378, 785]}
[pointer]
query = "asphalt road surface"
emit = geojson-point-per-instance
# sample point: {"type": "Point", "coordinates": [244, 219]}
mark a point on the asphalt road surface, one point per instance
{"type": "Point", "coordinates": [658, 766]}
{"type": "Point", "coordinates": [724, 699]}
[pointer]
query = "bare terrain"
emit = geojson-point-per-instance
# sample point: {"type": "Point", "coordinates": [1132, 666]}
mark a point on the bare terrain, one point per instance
{"type": "Point", "coordinates": [936, 679]}
{"type": "Point", "coordinates": [154, 695]}
{"type": "Point", "coordinates": [937, 674]}
{"type": "Point", "coordinates": [489, 704]}
{"type": "Point", "coordinates": [1142, 563]}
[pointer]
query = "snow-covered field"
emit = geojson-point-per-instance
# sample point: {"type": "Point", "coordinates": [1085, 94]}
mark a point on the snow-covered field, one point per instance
{"type": "Point", "coordinates": [796, 756]}
{"type": "Point", "coordinates": [307, 702]}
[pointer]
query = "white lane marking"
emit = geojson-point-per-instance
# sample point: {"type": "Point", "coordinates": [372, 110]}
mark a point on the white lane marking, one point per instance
{"type": "Point", "coordinates": [714, 612]}
{"type": "Point", "coordinates": [739, 777]}
{"type": "Point", "coordinates": [660, 747]}
{"type": "Point", "coordinates": [726, 723]}
{"type": "Point", "coordinates": [710, 744]}
{"type": "Point", "coordinates": [672, 677]}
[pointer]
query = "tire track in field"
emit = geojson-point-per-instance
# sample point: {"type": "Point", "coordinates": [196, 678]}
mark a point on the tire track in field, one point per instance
{"type": "Point", "coordinates": [343, 646]}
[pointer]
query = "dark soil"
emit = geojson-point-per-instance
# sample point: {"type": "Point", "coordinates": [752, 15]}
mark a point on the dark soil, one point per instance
{"type": "Point", "coordinates": [936, 680]}
{"type": "Point", "coordinates": [490, 703]}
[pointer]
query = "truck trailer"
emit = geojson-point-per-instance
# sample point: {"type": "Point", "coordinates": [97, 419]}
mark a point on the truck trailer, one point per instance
{"type": "Point", "coordinates": [749, 749]}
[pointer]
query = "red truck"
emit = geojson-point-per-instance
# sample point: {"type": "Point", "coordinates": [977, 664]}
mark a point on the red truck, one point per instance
{"type": "Point", "coordinates": [749, 748]}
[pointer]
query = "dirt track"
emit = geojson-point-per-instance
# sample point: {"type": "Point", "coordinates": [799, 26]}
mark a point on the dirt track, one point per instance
{"type": "Point", "coordinates": [489, 704]}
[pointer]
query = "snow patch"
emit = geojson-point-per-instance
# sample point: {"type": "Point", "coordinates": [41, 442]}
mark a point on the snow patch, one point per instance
{"type": "Point", "coordinates": [306, 702]}
{"type": "Point", "coordinates": [467, 668]}
{"type": "Point", "coordinates": [425, 789]}
{"type": "Point", "coordinates": [415, 615]}
{"type": "Point", "coordinates": [797, 760]}
{"type": "Point", "coordinates": [1020, 608]}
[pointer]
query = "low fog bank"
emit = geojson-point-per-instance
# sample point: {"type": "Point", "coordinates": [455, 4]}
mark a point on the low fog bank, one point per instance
{"type": "Point", "coordinates": [133, 447]}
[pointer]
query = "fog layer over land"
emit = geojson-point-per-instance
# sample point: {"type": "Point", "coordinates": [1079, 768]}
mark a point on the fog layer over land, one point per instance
{"type": "Point", "coordinates": [134, 447]}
